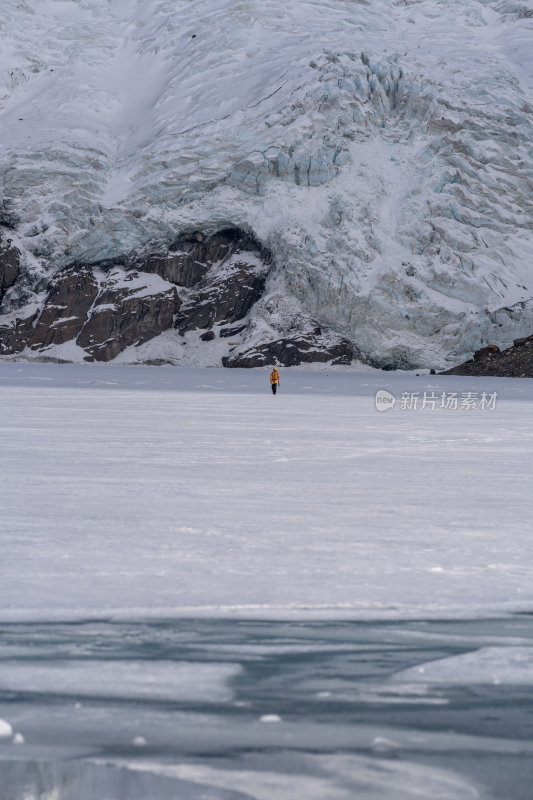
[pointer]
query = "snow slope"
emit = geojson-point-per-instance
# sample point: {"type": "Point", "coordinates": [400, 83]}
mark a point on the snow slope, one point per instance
{"type": "Point", "coordinates": [134, 492]}
{"type": "Point", "coordinates": [381, 150]}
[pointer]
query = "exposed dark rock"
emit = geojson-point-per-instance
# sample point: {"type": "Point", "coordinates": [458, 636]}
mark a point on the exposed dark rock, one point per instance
{"type": "Point", "coordinates": [486, 353]}
{"type": "Point", "coordinates": [105, 264]}
{"type": "Point", "coordinates": [294, 351]}
{"type": "Point", "coordinates": [9, 266]}
{"type": "Point", "coordinates": [7, 217]}
{"type": "Point", "coordinates": [525, 340]}
{"type": "Point", "coordinates": [106, 307]}
{"type": "Point", "coordinates": [126, 312]}
{"type": "Point", "coordinates": [227, 293]}
{"type": "Point", "coordinates": [226, 273]}
{"type": "Point", "coordinates": [227, 332]}
{"type": "Point", "coordinates": [179, 269]}
{"type": "Point", "coordinates": [14, 337]}
{"type": "Point", "coordinates": [515, 362]}
{"type": "Point", "coordinates": [65, 311]}
{"type": "Point", "coordinates": [193, 255]}
{"type": "Point", "coordinates": [104, 314]}
{"type": "Point", "coordinates": [226, 300]}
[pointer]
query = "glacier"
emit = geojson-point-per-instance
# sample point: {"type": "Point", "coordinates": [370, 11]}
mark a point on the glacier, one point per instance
{"type": "Point", "coordinates": [380, 151]}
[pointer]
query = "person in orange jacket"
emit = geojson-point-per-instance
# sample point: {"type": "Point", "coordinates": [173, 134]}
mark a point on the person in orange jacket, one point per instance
{"type": "Point", "coordinates": [274, 380]}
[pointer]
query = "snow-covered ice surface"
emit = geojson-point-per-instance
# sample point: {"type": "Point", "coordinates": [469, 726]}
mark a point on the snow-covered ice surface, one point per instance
{"type": "Point", "coordinates": [208, 591]}
{"type": "Point", "coordinates": [380, 149]}
{"type": "Point", "coordinates": [168, 681]}
{"type": "Point", "coordinates": [486, 665]}
{"type": "Point", "coordinates": [132, 491]}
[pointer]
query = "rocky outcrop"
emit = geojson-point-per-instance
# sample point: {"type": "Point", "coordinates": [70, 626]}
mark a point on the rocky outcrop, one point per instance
{"type": "Point", "coordinates": [102, 313]}
{"type": "Point", "coordinates": [9, 266]}
{"type": "Point", "coordinates": [486, 353]}
{"type": "Point", "coordinates": [66, 309]}
{"type": "Point", "coordinates": [203, 290]}
{"type": "Point", "coordinates": [192, 255]}
{"type": "Point", "coordinates": [126, 312]}
{"type": "Point", "coordinates": [226, 297]}
{"type": "Point", "coordinates": [226, 333]}
{"type": "Point", "coordinates": [313, 347]}
{"type": "Point", "coordinates": [515, 362]}
{"type": "Point", "coordinates": [15, 334]}
{"type": "Point", "coordinates": [226, 273]}
{"type": "Point", "coordinates": [106, 307]}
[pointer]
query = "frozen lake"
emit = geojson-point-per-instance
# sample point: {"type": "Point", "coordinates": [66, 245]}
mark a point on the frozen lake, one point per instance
{"type": "Point", "coordinates": [209, 592]}
{"type": "Point", "coordinates": [235, 710]}
{"type": "Point", "coordinates": [144, 491]}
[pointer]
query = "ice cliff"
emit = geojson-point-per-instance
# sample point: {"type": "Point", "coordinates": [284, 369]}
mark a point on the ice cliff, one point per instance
{"type": "Point", "coordinates": [372, 159]}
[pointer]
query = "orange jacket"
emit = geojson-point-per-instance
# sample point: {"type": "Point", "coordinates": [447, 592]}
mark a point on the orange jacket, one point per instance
{"type": "Point", "coordinates": [274, 376]}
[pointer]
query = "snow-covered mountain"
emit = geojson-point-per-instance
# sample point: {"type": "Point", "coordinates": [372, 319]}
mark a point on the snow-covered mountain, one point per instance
{"type": "Point", "coordinates": [374, 158]}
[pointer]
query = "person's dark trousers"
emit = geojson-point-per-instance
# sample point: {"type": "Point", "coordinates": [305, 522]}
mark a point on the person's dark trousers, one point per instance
{"type": "Point", "coordinates": [274, 387]}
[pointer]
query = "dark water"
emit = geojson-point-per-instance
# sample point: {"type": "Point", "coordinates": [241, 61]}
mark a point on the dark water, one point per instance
{"type": "Point", "coordinates": [227, 709]}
